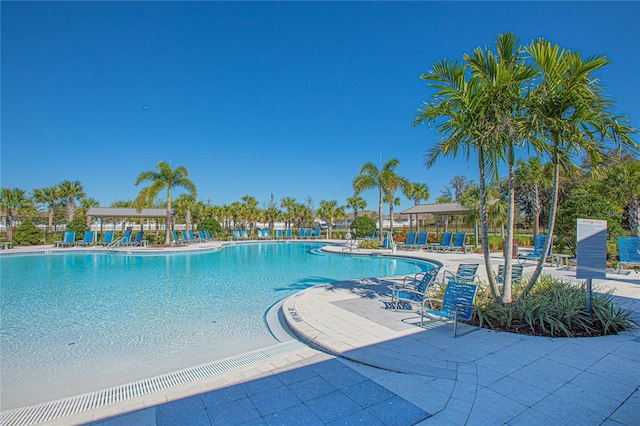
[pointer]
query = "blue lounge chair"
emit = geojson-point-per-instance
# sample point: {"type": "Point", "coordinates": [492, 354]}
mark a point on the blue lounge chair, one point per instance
{"type": "Point", "coordinates": [193, 238]}
{"type": "Point", "coordinates": [176, 239]}
{"type": "Point", "coordinates": [106, 239]}
{"type": "Point", "coordinates": [421, 241]}
{"type": "Point", "coordinates": [139, 240]}
{"type": "Point", "coordinates": [458, 303]}
{"type": "Point", "coordinates": [629, 249]}
{"type": "Point", "coordinates": [466, 273]}
{"type": "Point", "coordinates": [316, 233]}
{"type": "Point", "coordinates": [244, 234]}
{"type": "Point", "coordinates": [208, 235]}
{"type": "Point", "coordinates": [373, 236]}
{"type": "Point", "coordinates": [126, 239]}
{"type": "Point", "coordinates": [202, 236]}
{"type": "Point", "coordinates": [446, 242]}
{"type": "Point", "coordinates": [538, 247]}
{"type": "Point", "coordinates": [236, 234]}
{"type": "Point", "coordinates": [414, 288]}
{"type": "Point", "coordinates": [458, 244]}
{"type": "Point", "coordinates": [288, 234]}
{"type": "Point", "coordinates": [409, 242]}
{"type": "Point", "coordinates": [88, 239]}
{"type": "Point", "coordinates": [68, 240]}
{"type": "Point", "coordinates": [517, 273]}
{"type": "Point", "coordinates": [279, 234]}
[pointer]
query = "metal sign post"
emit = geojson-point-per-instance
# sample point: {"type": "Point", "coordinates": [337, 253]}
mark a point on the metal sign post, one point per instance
{"type": "Point", "coordinates": [591, 262]}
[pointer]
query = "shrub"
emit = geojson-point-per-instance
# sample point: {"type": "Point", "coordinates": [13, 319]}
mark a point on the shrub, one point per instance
{"type": "Point", "coordinates": [211, 225]}
{"type": "Point", "coordinates": [369, 244]}
{"type": "Point", "coordinates": [27, 234]}
{"type": "Point", "coordinates": [363, 226]}
{"type": "Point", "coordinates": [79, 225]}
{"type": "Point", "coordinates": [554, 308]}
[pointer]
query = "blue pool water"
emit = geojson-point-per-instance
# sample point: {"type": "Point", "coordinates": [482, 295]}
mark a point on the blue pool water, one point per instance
{"type": "Point", "coordinates": [79, 322]}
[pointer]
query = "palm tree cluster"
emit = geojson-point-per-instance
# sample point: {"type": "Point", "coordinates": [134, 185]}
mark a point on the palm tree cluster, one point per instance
{"type": "Point", "coordinates": [537, 97]}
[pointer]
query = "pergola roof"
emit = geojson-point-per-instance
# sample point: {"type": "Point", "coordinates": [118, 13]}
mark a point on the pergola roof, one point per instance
{"type": "Point", "coordinates": [125, 212]}
{"type": "Point", "coordinates": [437, 208]}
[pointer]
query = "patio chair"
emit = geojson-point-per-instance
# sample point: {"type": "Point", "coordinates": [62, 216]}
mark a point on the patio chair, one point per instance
{"type": "Point", "coordinates": [373, 236]}
{"type": "Point", "coordinates": [414, 288]}
{"type": "Point", "coordinates": [194, 238]}
{"type": "Point", "coordinates": [538, 247]}
{"type": "Point", "coordinates": [176, 239]}
{"type": "Point", "coordinates": [421, 241]}
{"type": "Point", "coordinates": [316, 233]}
{"type": "Point", "coordinates": [208, 235]}
{"type": "Point", "coordinates": [288, 234]}
{"type": "Point", "coordinates": [88, 239]}
{"type": "Point", "coordinates": [126, 239]}
{"type": "Point", "coordinates": [236, 234]}
{"type": "Point", "coordinates": [629, 249]}
{"type": "Point", "coordinates": [244, 234]}
{"type": "Point", "coordinates": [466, 273]}
{"type": "Point", "coordinates": [409, 243]}
{"type": "Point", "coordinates": [68, 240]}
{"type": "Point", "coordinates": [446, 241]}
{"type": "Point", "coordinates": [139, 240]}
{"type": "Point", "coordinates": [517, 273]}
{"type": "Point", "coordinates": [107, 239]}
{"type": "Point", "coordinates": [458, 244]}
{"type": "Point", "coordinates": [278, 234]}
{"type": "Point", "coordinates": [458, 303]}
{"type": "Point", "coordinates": [202, 236]}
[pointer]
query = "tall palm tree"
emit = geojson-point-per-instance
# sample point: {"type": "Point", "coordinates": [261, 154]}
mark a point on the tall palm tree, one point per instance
{"type": "Point", "coordinates": [418, 192]}
{"type": "Point", "coordinates": [70, 192]}
{"type": "Point", "coordinates": [50, 196]}
{"type": "Point", "coordinates": [371, 177]}
{"type": "Point", "coordinates": [14, 202]}
{"type": "Point", "coordinates": [392, 182]}
{"type": "Point", "coordinates": [356, 203]}
{"type": "Point", "coordinates": [184, 205]}
{"type": "Point", "coordinates": [330, 211]}
{"type": "Point", "coordinates": [165, 178]}
{"type": "Point", "coordinates": [533, 176]}
{"type": "Point", "coordinates": [568, 114]}
{"type": "Point", "coordinates": [288, 203]}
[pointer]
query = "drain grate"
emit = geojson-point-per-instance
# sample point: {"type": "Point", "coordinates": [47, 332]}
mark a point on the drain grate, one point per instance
{"type": "Point", "coordinates": [47, 411]}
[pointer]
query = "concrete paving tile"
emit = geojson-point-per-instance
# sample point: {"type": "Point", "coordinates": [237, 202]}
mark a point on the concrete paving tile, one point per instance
{"type": "Point", "coordinates": [545, 374]}
{"type": "Point", "coordinates": [532, 417]}
{"type": "Point", "coordinates": [496, 405]}
{"type": "Point", "coordinates": [264, 384]}
{"type": "Point", "coordinates": [568, 413]}
{"type": "Point", "coordinates": [518, 391]}
{"type": "Point", "coordinates": [575, 355]}
{"type": "Point", "coordinates": [397, 411]}
{"type": "Point", "coordinates": [629, 350]}
{"type": "Point", "coordinates": [295, 375]}
{"type": "Point", "coordinates": [274, 400]}
{"type": "Point", "coordinates": [619, 369]}
{"type": "Point", "coordinates": [634, 399]}
{"type": "Point", "coordinates": [234, 412]}
{"type": "Point", "coordinates": [367, 393]}
{"type": "Point", "coordinates": [361, 417]}
{"type": "Point", "coordinates": [603, 385]}
{"type": "Point", "coordinates": [182, 417]}
{"type": "Point", "coordinates": [297, 414]}
{"type": "Point", "coordinates": [611, 422]}
{"type": "Point", "coordinates": [455, 412]}
{"type": "Point", "coordinates": [146, 417]}
{"type": "Point", "coordinates": [482, 418]}
{"type": "Point", "coordinates": [588, 398]}
{"type": "Point", "coordinates": [505, 361]}
{"type": "Point", "coordinates": [486, 375]}
{"type": "Point", "coordinates": [222, 396]}
{"type": "Point", "coordinates": [627, 415]}
{"type": "Point", "coordinates": [333, 406]}
{"type": "Point", "coordinates": [342, 377]}
{"type": "Point", "coordinates": [312, 388]}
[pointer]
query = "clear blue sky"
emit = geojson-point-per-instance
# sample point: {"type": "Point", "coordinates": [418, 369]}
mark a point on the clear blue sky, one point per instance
{"type": "Point", "coordinates": [289, 98]}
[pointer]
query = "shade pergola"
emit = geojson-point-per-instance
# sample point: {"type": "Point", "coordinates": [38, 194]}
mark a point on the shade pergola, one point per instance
{"type": "Point", "coordinates": [447, 209]}
{"type": "Point", "coordinates": [125, 212]}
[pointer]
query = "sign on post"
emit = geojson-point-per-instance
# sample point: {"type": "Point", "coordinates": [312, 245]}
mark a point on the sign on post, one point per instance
{"type": "Point", "coordinates": [592, 249]}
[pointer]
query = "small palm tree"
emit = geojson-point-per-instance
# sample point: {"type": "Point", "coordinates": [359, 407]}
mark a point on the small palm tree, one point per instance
{"type": "Point", "coordinates": [50, 196]}
{"type": "Point", "coordinates": [371, 177]}
{"type": "Point", "coordinates": [621, 183]}
{"type": "Point", "coordinates": [14, 202]}
{"type": "Point", "coordinates": [85, 205]}
{"type": "Point", "coordinates": [70, 192]}
{"type": "Point", "coordinates": [329, 211]}
{"type": "Point", "coordinates": [165, 178]}
{"type": "Point", "coordinates": [533, 177]}
{"type": "Point", "coordinates": [288, 203]}
{"type": "Point", "coordinates": [356, 203]}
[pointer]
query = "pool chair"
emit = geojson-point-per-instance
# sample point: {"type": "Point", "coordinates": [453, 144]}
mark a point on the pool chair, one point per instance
{"type": "Point", "coordinates": [126, 239]}
{"type": "Point", "coordinates": [176, 239]}
{"type": "Point", "coordinates": [316, 233]}
{"type": "Point", "coordinates": [107, 239]}
{"type": "Point", "coordinates": [629, 249]}
{"type": "Point", "coordinates": [201, 235]}
{"type": "Point", "coordinates": [421, 240]}
{"type": "Point", "coordinates": [244, 234]}
{"type": "Point", "coordinates": [194, 238]}
{"type": "Point", "coordinates": [458, 244]}
{"type": "Point", "coordinates": [373, 236]}
{"type": "Point", "coordinates": [68, 240]}
{"type": "Point", "coordinates": [139, 240]}
{"type": "Point", "coordinates": [414, 288]}
{"type": "Point", "coordinates": [409, 242]}
{"type": "Point", "coordinates": [446, 242]}
{"type": "Point", "coordinates": [538, 247]}
{"type": "Point", "coordinates": [88, 239]}
{"type": "Point", "coordinates": [517, 273]}
{"type": "Point", "coordinates": [288, 234]}
{"type": "Point", "coordinates": [457, 304]}
{"type": "Point", "coordinates": [278, 234]}
{"type": "Point", "coordinates": [466, 273]}
{"type": "Point", "coordinates": [208, 235]}
{"type": "Point", "coordinates": [236, 234]}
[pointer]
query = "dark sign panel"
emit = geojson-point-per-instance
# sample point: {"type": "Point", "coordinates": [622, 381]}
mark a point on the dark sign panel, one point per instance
{"type": "Point", "coordinates": [592, 249]}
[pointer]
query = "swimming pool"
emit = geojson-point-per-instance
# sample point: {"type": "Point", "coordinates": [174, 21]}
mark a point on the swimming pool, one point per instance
{"type": "Point", "coordinates": [79, 322]}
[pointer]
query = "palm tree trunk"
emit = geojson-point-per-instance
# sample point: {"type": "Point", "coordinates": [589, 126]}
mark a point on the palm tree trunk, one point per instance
{"type": "Point", "coordinates": [485, 226]}
{"type": "Point", "coordinates": [391, 215]}
{"type": "Point", "coordinates": [552, 220]}
{"type": "Point", "coordinates": [167, 227]}
{"type": "Point", "coordinates": [536, 211]}
{"type": "Point", "coordinates": [633, 216]}
{"type": "Point", "coordinates": [380, 237]}
{"type": "Point", "coordinates": [50, 222]}
{"type": "Point", "coordinates": [506, 287]}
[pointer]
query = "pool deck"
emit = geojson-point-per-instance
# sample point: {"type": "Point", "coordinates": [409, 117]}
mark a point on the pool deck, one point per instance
{"type": "Point", "coordinates": [365, 363]}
